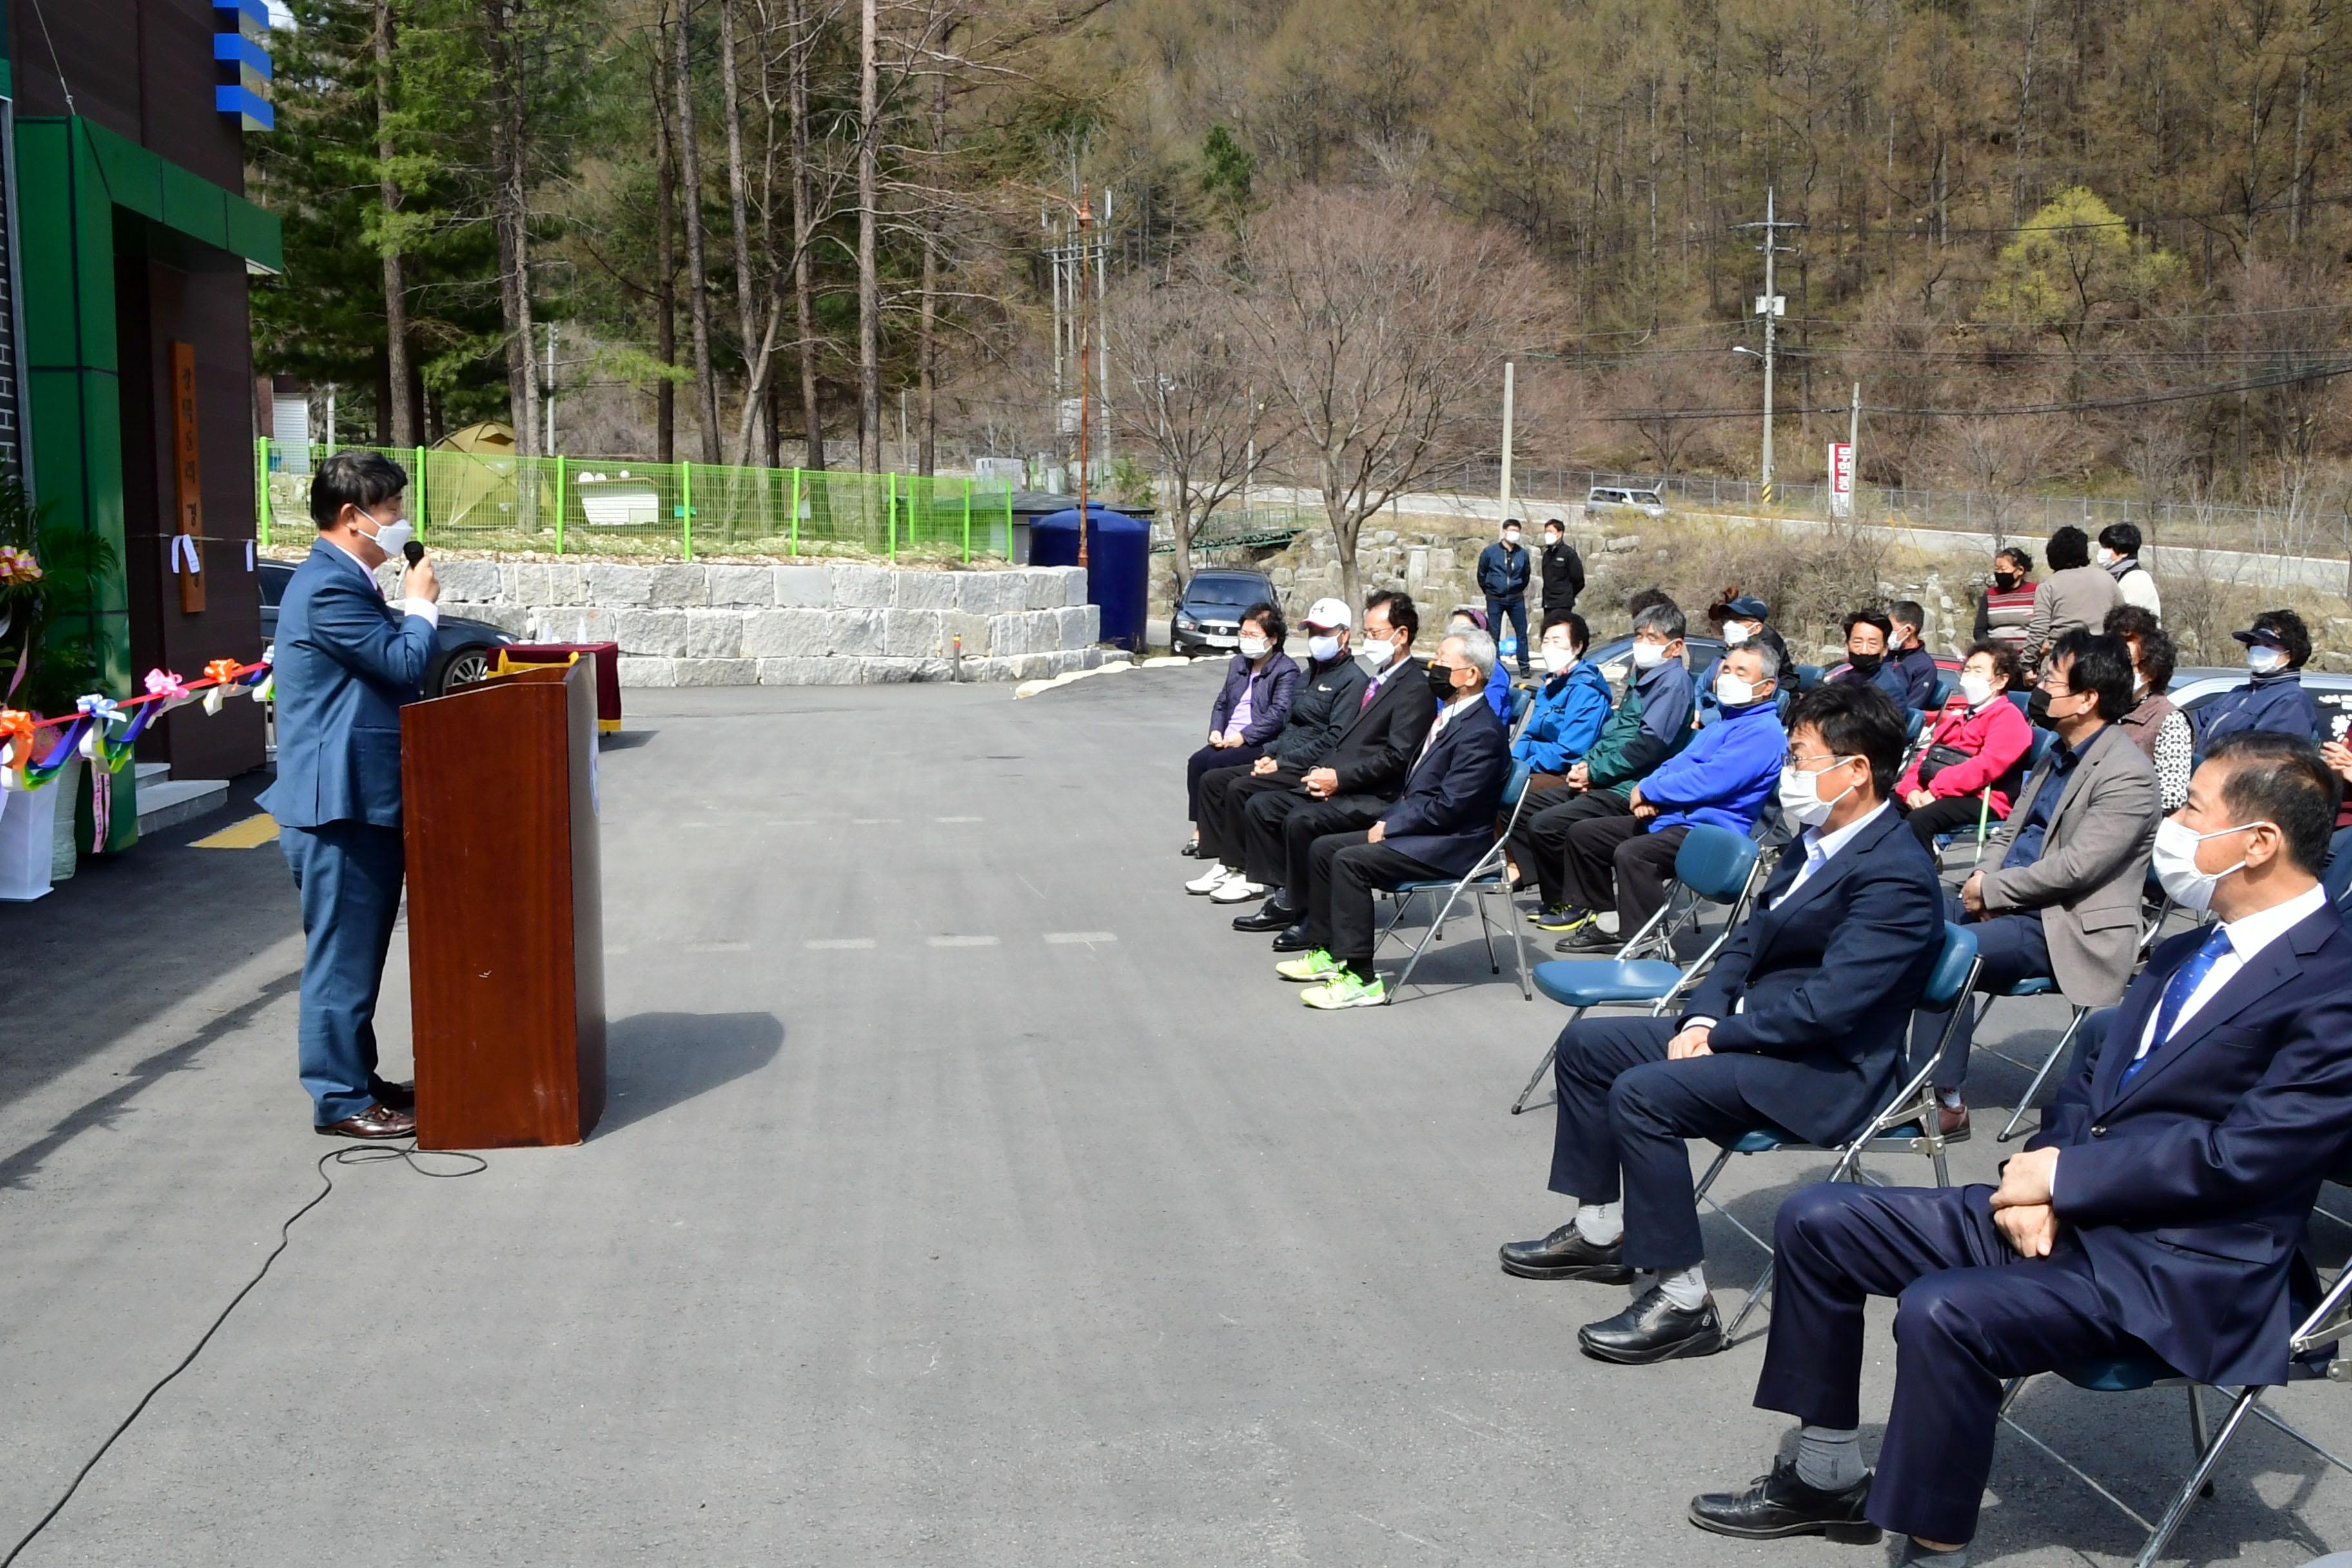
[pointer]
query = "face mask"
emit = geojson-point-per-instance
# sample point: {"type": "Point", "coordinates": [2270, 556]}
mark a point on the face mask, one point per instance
{"type": "Point", "coordinates": [1510, 536]}
{"type": "Point", "coordinates": [2004, 581]}
{"type": "Point", "coordinates": [1559, 659]}
{"type": "Point", "coordinates": [392, 537]}
{"type": "Point", "coordinates": [1254, 649]}
{"type": "Point", "coordinates": [1864, 662]}
{"type": "Point", "coordinates": [1735, 632]}
{"type": "Point", "coordinates": [1441, 681]}
{"type": "Point", "coordinates": [1550, 539]}
{"type": "Point", "coordinates": [1975, 690]}
{"type": "Point", "coordinates": [2265, 660]}
{"type": "Point", "coordinates": [1646, 655]}
{"type": "Point", "coordinates": [1380, 653]}
{"type": "Point", "coordinates": [1322, 650]}
{"type": "Point", "coordinates": [2107, 557]}
{"type": "Point", "coordinates": [1733, 693]}
{"type": "Point", "coordinates": [2175, 863]}
{"type": "Point", "coordinates": [1800, 795]}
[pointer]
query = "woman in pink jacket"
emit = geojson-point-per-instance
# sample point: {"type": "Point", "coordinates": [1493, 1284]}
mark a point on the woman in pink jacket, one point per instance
{"type": "Point", "coordinates": [1978, 742]}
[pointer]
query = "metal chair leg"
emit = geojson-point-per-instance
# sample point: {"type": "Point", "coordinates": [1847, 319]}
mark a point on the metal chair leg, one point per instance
{"type": "Point", "coordinates": [2025, 1102]}
{"type": "Point", "coordinates": [2198, 1436]}
{"type": "Point", "coordinates": [2197, 1481]}
{"type": "Point", "coordinates": [1519, 945]}
{"type": "Point", "coordinates": [1543, 1066]}
{"type": "Point", "coordinates": [1755, 1294]}
{"type": "Point", "coordinates": [1487, 929]}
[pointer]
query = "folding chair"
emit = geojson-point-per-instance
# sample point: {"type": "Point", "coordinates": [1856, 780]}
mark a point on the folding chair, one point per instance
{"type": "Point", "coordinates": [2325, 1326]}
{"type": "Point", "coordinates": [1714, 865]}
{"type": "Point", "coordinates": [2033, 985]}
{"type": "Point", "coordinates": [1488, 880]}
{"type": "Point", "coordinates": [1907, 1125]}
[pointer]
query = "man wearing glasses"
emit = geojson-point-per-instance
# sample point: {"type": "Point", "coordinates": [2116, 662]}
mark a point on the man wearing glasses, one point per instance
{"type": "Point", "coordinates": [2061, 896]}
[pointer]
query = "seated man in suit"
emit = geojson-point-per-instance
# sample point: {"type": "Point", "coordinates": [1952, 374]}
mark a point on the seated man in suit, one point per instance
{"type": "Point", "coordinates": [1724, 777]}
{"type": "Point", "coordinates": [1437, 829]}
{"type": "Point", "coordinates": [1350, 786]}
{"type": "Point", "coordinates": [1328, 693]}
{"type": "Point", "coordinates": [2061, 895]}
{"type": "Point", "coordinates": [1799, 1025]}
{"type": "Point", "coordinates": [346, 661]}
{"type": "Point", "coordinates": [1651, 723]}
{"type": "Point", "coordinates": [2159, 1209]}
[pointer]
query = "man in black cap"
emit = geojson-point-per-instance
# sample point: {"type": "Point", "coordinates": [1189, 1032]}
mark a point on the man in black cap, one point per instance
{"type": "Point", "coordinates": [1741, 619]}
{"type": "Point", "coordinates": [2277, 646]}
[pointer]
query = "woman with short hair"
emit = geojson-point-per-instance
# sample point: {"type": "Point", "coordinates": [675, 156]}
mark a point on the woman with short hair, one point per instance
{"type": "Point", "coordinates": [1250, 708]}
{"type": "Point", "coordinates": [2154, 724]}
{"type": "Point", "coordinates": [1964, 773]}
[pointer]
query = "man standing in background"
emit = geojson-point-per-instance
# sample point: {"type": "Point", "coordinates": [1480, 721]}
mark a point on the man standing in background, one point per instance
{"type": "Point", "coordinates": [1504, 568]}
{"type": "Point", "coordinates": [1563, 572]}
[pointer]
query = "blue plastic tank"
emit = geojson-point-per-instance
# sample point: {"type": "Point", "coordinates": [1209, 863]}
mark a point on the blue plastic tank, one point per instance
{"type": "Point", "coordinates": [1118, 564]}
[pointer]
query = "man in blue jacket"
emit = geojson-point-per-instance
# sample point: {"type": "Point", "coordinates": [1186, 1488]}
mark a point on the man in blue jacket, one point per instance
{"type": "Point", "coordinates": [2277, 646]}
{"type": "Point", "coordinates": [1572, 703]}
{"type": "Point", "coordinates": [1800, 1026]}
{"type": "Point", "coordinates": [1438, 829]}
{"type": "Point", "coordinates": [1503, 570]}
{"type": "Point", "coordinates": [1723, 777]}
{"type": "Point", "coordinates": [345, 663]}
{"type": "Point", "coordinates": [2161, 1208]}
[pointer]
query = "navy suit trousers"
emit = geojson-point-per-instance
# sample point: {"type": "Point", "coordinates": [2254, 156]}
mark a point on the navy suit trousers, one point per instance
{"type": "Point", "coordinates": [1969, 1314]}
{"type": "Point", "coordinates": [1625, 1109]}
{"type": "Point", "coordinates": [349, 875]}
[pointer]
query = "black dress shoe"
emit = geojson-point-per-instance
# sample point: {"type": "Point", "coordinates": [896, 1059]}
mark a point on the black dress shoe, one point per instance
{"type": "Point", "coordinates": [1268, 916]}
{"type": "Point", "coordinates": [397, 1096]}
{"type": "Point", "coordinates": [1192, 850]}
{"type": "Point", "coordinates": [1566, 1254]}
{"type": "Point", "coordinates": [1292, 938]}
{"type": "Point", "coordinates": [1590, 938]}
{"type": "Point", "coordinates": [375, 1121]}
{"type": "Point", "coordinates": [1652, 1329]}
{"type": "Point", "coordinates": [1781, 1504]}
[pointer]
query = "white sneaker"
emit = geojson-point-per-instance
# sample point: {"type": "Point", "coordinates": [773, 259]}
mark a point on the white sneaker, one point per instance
{"type": "Point", "coordinates": [1210, 880]}
{"type": "Point", "coordinates": [1238, 889]}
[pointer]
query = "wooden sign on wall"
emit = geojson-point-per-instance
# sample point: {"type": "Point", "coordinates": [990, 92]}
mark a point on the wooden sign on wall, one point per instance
{"type": "Point", "coordinates": [187, 559]}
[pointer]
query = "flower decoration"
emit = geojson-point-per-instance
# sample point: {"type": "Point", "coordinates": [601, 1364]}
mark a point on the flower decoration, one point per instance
{"type": "Point", "coordinates": [18, 567]}
{"type": "Point", "coordinates": [164, 684]}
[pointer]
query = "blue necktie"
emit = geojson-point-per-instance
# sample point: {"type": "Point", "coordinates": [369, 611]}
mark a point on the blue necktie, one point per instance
{"type": "Point", "coordinates": [2177, 991]}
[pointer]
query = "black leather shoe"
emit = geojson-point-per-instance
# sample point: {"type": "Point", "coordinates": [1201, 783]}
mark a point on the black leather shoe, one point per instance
{"type": "Point", "coordinates": [1652, 1329]}
{"type": "Point", "coordinates": [1590, 939]}
{"type": "Point", "coordinates": [1292, 938]}
{"type": "Point", "coordinates": [1192, 850]}
{"type": "Point", "coordinates": [1566, 1254]}
{"type": "Point", "coordinates": [1781, 1504]}
{"type": "Point", "coordinates": [397, 1096]}
{"type": "Point", "coordinates": [1268, 916]}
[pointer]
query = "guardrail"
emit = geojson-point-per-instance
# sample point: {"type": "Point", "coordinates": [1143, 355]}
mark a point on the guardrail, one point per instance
{"type": "Point", "coordinates": [608, 505]}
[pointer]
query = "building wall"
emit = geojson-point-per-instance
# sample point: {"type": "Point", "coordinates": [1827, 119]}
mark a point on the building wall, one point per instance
{"type": "Point", "coordinates": [142, 68]}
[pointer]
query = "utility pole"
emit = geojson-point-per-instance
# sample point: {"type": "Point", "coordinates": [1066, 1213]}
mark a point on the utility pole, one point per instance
{"type": "Point", "coordinates": [1771, 306]}
{"type": "Point", "coordinates": [1853, 444]}
{"type": "Point", "coordinates": [549, 391]}
{"type": "Point", "coordinates": [1506, 437]}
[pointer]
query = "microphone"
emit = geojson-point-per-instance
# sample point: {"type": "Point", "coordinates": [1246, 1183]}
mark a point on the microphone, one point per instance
{"type": "Point", "coordinates": [412, 552]}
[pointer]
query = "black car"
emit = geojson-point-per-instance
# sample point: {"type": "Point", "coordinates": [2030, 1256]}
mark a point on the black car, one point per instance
{"type": "Point", "coordinates": [463, 650]}
{"type": "Point", "coordinates": [1208, 616]}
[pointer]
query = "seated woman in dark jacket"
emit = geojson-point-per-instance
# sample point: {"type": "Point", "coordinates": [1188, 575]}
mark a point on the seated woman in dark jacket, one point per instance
{"type": "Point", "coordinates": [1250, 709]}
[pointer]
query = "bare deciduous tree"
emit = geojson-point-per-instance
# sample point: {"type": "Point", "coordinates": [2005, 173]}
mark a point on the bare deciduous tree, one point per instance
{"type": "Point", "coordinates": [1383, 328]}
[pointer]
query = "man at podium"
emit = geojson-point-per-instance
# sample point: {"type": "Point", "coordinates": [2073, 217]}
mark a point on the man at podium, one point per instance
{"type": "Point", "coordinates": [345, 662]}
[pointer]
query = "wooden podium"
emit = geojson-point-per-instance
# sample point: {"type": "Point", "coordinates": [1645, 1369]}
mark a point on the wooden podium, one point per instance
{"type": "Point", "coordinates": [506, 926]}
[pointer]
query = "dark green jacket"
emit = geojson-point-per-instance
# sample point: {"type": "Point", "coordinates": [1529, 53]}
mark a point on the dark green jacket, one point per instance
{"type": "Point", "coordinates": [1650, 725]}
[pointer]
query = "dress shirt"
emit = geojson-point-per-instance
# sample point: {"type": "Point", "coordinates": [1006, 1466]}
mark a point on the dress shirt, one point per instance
{"type": "Point", "coordinates": [1818, 848]}
{"type": "Point", "coordinates": [1446, 713]}
{"type": "Point", "coordinates": [425, 608]}
{"type": "Point", "coordinates": [2026, 846]}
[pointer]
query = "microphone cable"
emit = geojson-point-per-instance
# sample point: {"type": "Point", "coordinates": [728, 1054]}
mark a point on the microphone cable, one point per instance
{"type": "Point", "coordinates": [350, 1155]}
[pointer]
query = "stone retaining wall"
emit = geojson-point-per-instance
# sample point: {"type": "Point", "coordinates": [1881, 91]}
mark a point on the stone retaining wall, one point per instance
{"type": "Point", "coordinates": [791, 625]}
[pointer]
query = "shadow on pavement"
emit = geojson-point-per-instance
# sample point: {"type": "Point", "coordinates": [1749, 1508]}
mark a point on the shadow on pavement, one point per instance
{"type": "Point", "coordinates": [655, 1060]}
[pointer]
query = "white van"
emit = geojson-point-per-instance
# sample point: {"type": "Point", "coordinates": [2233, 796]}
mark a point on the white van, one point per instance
{"type": "Point", "coordinates": [1610, 497]}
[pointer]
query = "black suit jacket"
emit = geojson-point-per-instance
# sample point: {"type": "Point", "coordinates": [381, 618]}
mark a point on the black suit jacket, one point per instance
{"type": "Point", "coordinates": [2186, 1192]}
{"type": "Point", "coordinates": [1375, 751]}
{"type": "Point", "coordinates": [1814, 995]}
{"type": "Point", "coordinates": [1445, 817]}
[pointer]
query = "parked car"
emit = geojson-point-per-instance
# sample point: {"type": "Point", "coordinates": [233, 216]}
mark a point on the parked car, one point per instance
{"type": "Point", "coordinates": [1207, 618]}
{"type": "Point", "coordinates": [1614, 498]}
{"type": "Point", "coordinates": [463, 650]}
{"type": "Point", "coordinates": [2192, 688]}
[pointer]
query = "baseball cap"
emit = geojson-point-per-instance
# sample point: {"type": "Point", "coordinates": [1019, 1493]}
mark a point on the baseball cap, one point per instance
{"type": "Point", "coordinates": [2262, 634]}
{"type": "Point", "coordinates": [1329, 615]}
{"type": "Point", "coordinates": [1743, 607]}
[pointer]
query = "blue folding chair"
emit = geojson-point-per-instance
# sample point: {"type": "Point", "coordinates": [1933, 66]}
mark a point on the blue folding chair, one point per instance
{"type": "Point", "coordinates": [1947, 682]}
{"type": "Point", "coordinates": [1907, 1125]}
{"type": "Point", "coordinates": [1523, 699]}
{"type": "Point", "coordinates": [1913, 722]}
{"type": "Point", "coordinates": [1489, 879]}
{"type": "Point", "coordinates": [1715, 866]}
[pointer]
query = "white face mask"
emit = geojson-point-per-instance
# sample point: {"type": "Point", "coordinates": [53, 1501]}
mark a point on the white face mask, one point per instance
{"type": "Point", "coordinates": [1733, 693]}
{"type": "Point", "coordinates": [1735, 632]}
{"type": "Point", "coordinates": [1800, 795]}
{"type": "Point", "coordinates": [2107, 557]}
{"type": "Point", "coordinates": [2265, 660]}
{"type": "Point", "coordinates": [1646, 655]}
{"type": "Point", "coordinates": [392, 538]}
{"type": "Point", "coordinates": [1323, 649]}
{"type": "Point", "coordinates": [1510, 536]}
{"type": "Point", "coordinates": [1975, 690]}
{"type": "Point", "coordinates": [1380, 653]}
{"type": "Point", "coordinates": [1254, 648]}
{"type": "Point", "coordinates": [2174, 862]}
{"type": "Point", "coordinates": [1559, 659]}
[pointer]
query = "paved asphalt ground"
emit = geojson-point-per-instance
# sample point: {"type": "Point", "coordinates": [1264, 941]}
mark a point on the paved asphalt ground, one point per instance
{"type": "Point", "coordinates": [969, 1195]}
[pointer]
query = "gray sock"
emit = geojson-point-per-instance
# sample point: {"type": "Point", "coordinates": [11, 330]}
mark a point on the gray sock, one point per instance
{"type": "Point", "coordinates": [1915, 1552]}
{"type": "Point", "coordinates": [1829, 1459]}
{"type": "Point", "coordinates": [1685, 1287]}
{"type": "Point", "coordinates": [1602, 1225]}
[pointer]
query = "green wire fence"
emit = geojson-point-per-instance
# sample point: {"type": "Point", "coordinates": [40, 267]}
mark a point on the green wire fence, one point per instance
{"type": "Point", "coordinates": [607, 506]}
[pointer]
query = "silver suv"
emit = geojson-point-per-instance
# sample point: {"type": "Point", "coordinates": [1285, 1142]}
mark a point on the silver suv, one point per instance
{"type": "Point", "coordinates": [1613, 498]}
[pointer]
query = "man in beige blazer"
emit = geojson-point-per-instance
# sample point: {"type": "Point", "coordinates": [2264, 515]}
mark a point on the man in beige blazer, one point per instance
{"type": "Point", "coordinates": [2060, 898]}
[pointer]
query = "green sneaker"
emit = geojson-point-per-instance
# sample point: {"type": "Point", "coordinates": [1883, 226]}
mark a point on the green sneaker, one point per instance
{"type": "Point", "coordinates": [1344, 990]}
{"type": "Point", "coordinates": [1314, 964]}
{"type": "Point", "coordinates": [1562, 917]}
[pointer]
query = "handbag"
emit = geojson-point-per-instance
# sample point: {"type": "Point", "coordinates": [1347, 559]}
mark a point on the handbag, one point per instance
{"type": "Point", "coordinates": [1937, 760]}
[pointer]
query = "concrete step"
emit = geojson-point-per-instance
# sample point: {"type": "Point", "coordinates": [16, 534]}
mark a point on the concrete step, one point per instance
{"type": "Point", "coordinates": [149, 773]}
{"type": "Point", "coordinates": [166, 803]}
